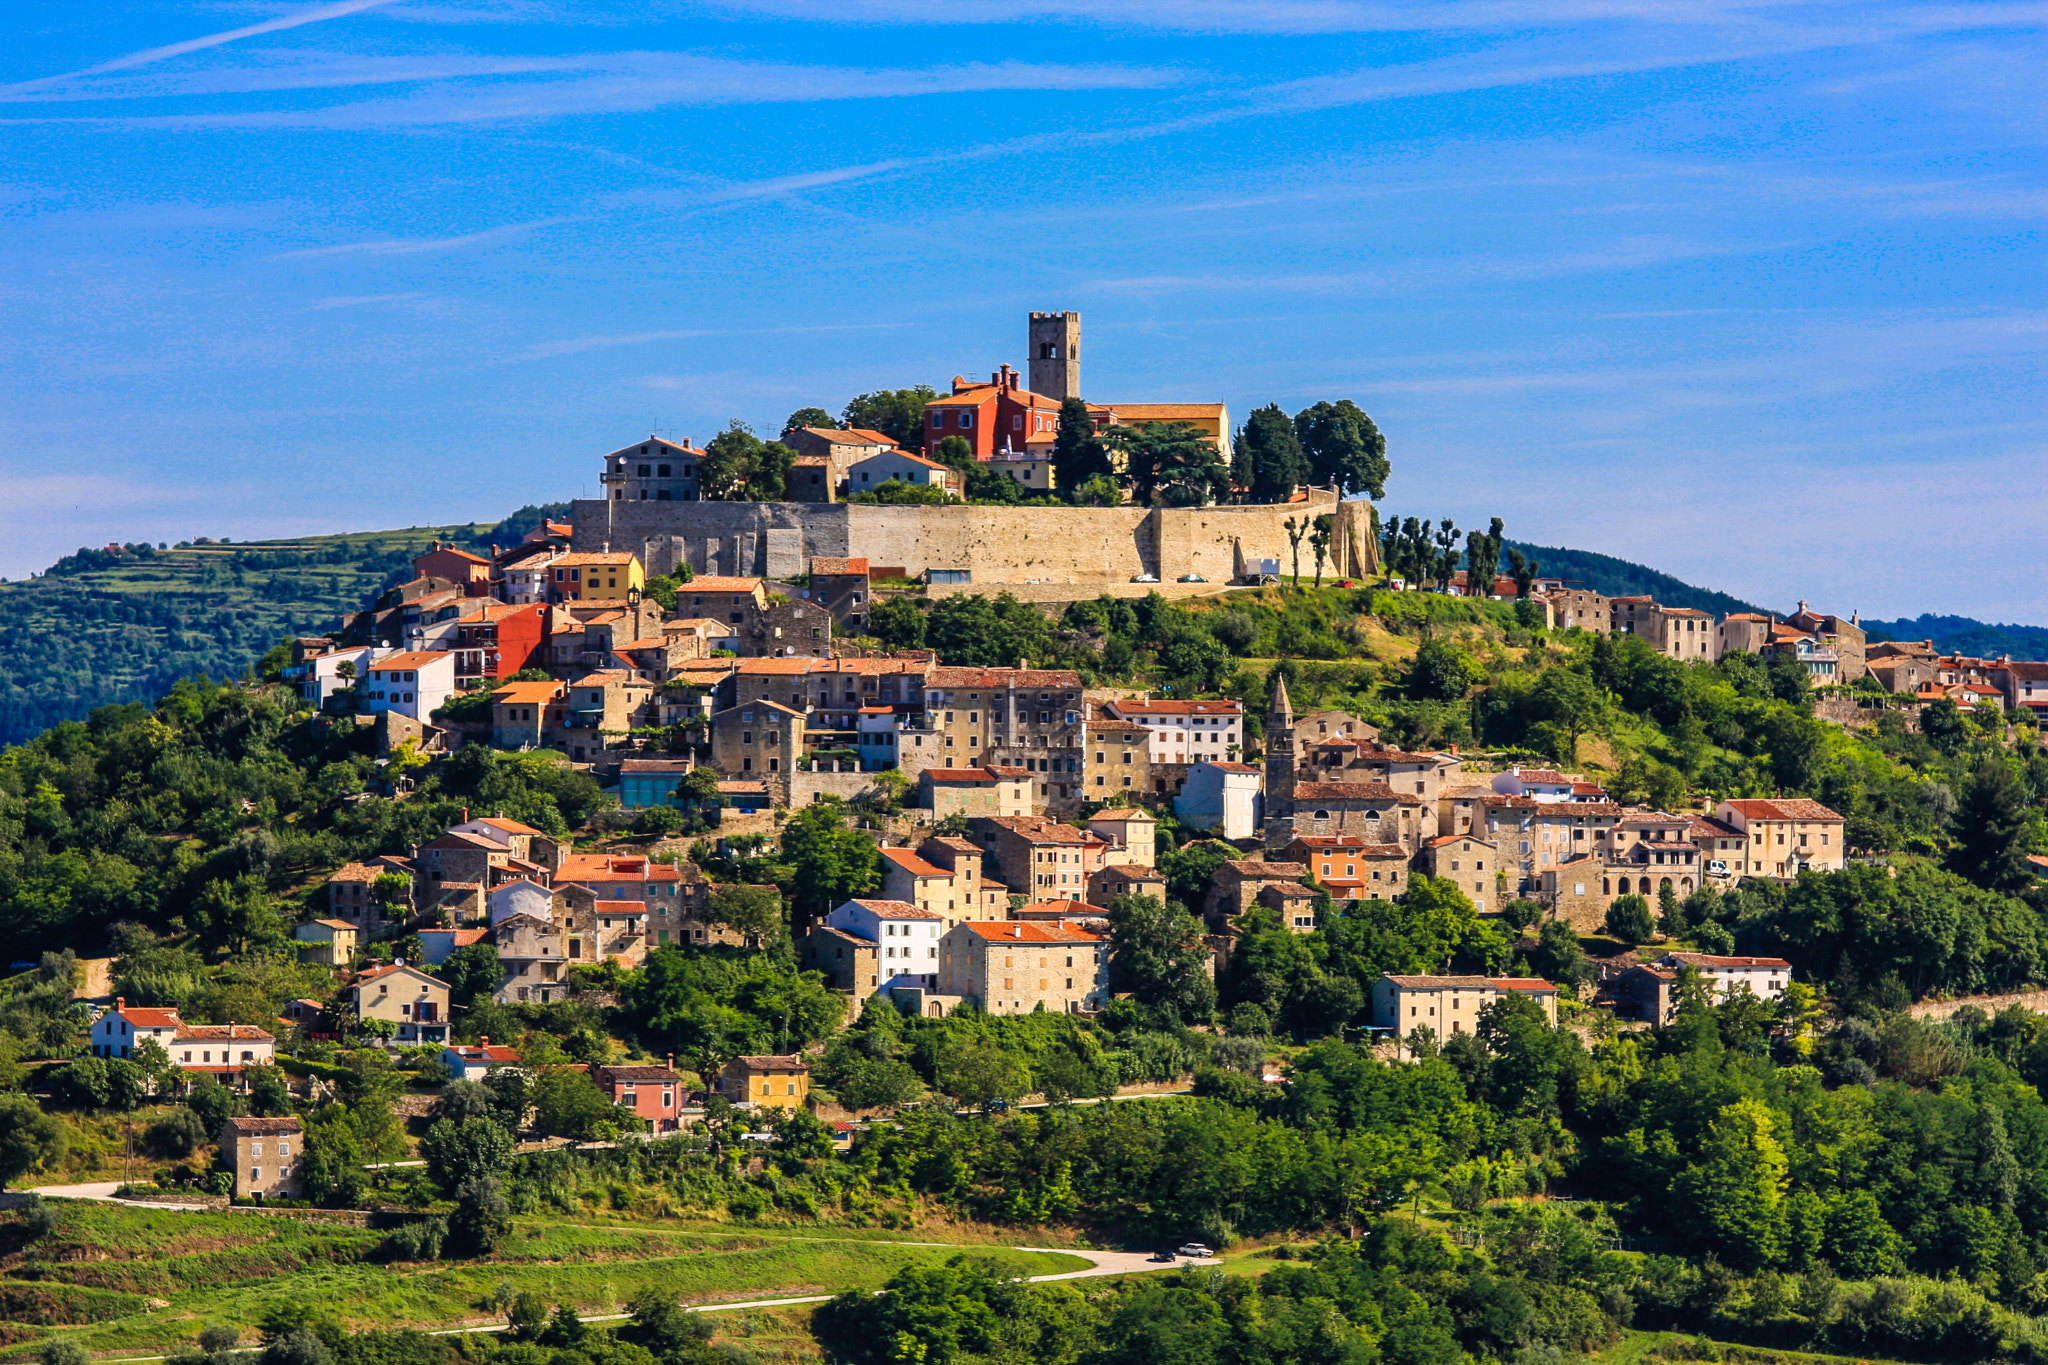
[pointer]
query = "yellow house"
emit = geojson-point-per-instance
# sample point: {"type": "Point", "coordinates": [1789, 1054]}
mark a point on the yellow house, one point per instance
{"type": "Point", "coordinates": [405, 996]}
{"type": "Point", "coordinates": [588, 577]}
{"type": "Point", "coordinates": [1211, 419]}
{"type": "Point", "coordinates": [771, 1082]}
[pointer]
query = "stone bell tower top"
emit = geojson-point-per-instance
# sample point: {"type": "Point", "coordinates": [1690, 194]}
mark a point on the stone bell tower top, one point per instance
{"type": "Point", "coordinates": [1280, 756]}
{"type": "Point", "coordinates": [1054, 357]}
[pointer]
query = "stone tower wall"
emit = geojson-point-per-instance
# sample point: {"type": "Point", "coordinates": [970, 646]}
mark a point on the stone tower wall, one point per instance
{"type": "Point", "coordinates": [994, 544]}
{"type": "Point", "coordinates": [1058, 375]}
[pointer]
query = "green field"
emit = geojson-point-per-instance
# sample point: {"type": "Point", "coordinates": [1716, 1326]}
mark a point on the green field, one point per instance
{"type": "Point", "coordinates": [139, 1281]}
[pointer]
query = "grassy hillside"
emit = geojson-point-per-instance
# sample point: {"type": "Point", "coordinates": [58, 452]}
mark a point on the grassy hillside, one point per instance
{"type": "Point", "coordinates": [102, 627]}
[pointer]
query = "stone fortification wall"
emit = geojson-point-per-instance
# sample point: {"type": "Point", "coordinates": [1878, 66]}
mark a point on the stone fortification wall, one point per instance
{"type": "Point", "coordinates": [993, 544]}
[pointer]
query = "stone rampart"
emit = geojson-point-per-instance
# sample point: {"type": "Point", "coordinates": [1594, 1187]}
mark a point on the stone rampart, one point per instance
{"type": "Point", "coordinates": [992, 544]}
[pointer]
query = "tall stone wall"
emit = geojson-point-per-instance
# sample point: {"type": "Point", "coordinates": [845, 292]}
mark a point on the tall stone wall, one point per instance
{"type": "Point", "coordinates": [993, 544]}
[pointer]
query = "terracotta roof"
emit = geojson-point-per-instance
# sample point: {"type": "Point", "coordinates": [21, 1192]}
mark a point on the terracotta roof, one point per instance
{"type": "Point", "coordinates": [222, 1033]}
{"type": "Point", "coordinates": [252, 1127]}
{"type": "Point", "coordinates": [492, 1053]}
{"type": "Point", "coordinates": [580, 558]}
{"type": "Point", "coordinates": [1180, 708]}
{"type": "Point", "coordinates": [1046, 679]}
{"type": "Point", "coordinates": [956, 843]}
{"type": "Point", "coordinates": [335, 924]}
{"type": "Point", "coordinates": [835, 568]}
{"type": "Point", "coordinates": [1026, 931]}
{"type": "Point", "coordinates": [411, 659]}
{"type": "Point", "coordinates": [602, 867]}
{"type": "Point", "coordinates": [779, 667]}
{"type": "Point", "coordinates": [377, 973]}
{"type": "Point", "coordinates": [850, 436]}
{"type": "Point", "coordinates": [911, 863]}
{"type": "Point", "coordinates": [527, 692]}
{"type": "Point", "coordinates": [1059, 909]}
{"type": "Point", "coordinates": [1165, 412]}
{"type": "Point", "coordinates": [355, 872]}
{"type": "Point", "coordinates": [1036, 828]}
{"type": "Point", "coordinates": [1443, 839]}
{"type": "Point", "coordinates": [959, 776]}
{"type": "Point", "coordinates": [1783, 810]}
{"type": "Point", "coordinates": [893, 909]}
{"type": "Point", "coordinates": [638, 1073]}
{"type": "Point", "coordinates": [143, 1016]}
{"type": "Point", "coordinates": [773, 1063]}
{"type": "Point", "coordinates": [906, 455]}
{"type": "Point", "coordinates": [1254, 870]}
{"type": "Point", "coordinates": [744, 788]}
{"type": "Point", "coordinates": [1440, 983]}
{"type": "Point", "coordinates": [1536, 985]}
{"type": "Point", "coordinates": [1134, 872]}
{"type": "Point", "coordinates": [1225, 767]}
{"type": "Point", "coordinates": [1120, 817]}
{"type": "Point", "coordinates": [1289, 891]}
{"type": "Point", "coordinates": [717, 583]}
{"type": "Point", "coordinates": [1542, 776]}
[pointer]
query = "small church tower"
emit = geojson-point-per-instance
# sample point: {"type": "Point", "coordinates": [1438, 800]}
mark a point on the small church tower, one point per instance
{"type": "Point", "coordinates": [1280, 756]}
{"type": "Point", "coordinates": [1054, 356]}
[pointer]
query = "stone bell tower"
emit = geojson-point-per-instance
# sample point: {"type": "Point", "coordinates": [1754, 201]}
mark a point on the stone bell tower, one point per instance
{"type": "Point", "coordinates": [1054, 357]}
{"type": "Point", "coordinates": [1280, 755]}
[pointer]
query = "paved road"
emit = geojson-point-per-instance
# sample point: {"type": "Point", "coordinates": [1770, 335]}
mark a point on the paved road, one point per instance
{"type": "Point", "coordinates": [104, 1190]}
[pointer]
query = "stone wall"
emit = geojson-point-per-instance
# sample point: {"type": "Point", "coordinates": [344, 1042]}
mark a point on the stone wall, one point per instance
{"type": "Point", "coordinates": [994, 544]}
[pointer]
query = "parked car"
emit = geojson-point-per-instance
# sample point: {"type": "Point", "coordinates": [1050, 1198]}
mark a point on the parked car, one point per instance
{"type": "Point", "coordinates": [1144, 578]}
{"type": "Point", "coordinates": [1191, 578]}
{"type": "Point", "coordinates": [1162, 1257]}
{"type": "Point", "coordinates": [1195, 1251]}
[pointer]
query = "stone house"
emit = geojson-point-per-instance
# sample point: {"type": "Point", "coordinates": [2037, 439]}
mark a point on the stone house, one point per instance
{"type": "Point", "coordinates": [652, 1093]}
{"type": "Point", "coordinates": [1448, 1005]}
{"type": "Point", "coordinates": [841, 586]}
{"type": "Point", "coordinates": [1034, 719]}
{"type": "Point", "coordinates": [1472, 863]}
{"type": "Point", "coordinates": [900, 466]}
{"type": "Point", "coordinates": [653, 470]}
{"type": "Point", "coordinates": [851, 963]}
{"type": "Point", "coordinates": [1785, 836]}
{"type": "Point", "coordinates": [1125, 879]}
{"type": "Point", "coordinates": [1372, 810]}
{"type": "Point", "coordinates": [520, 714]}
{"type": "Point", "coordinates": [1039, 858]}
{"type": "Point", "coordinates": [532, 957]}
{"type": "Point", "coordinates": [1763, 977]}
{"type": "Point", "coordinates": [1017, 966]}
{"type": "Point", "coordinates": [264, 1155]}
{"type": "Point", "coordinates": [757, 739]}
{"type": "Point", "coordinates": [1119, 756]}
{"type": "Point", "coordinates": [1294, 903]}
{"type": "Point", "coordinates": [789, 627]}
{"type": "Point", "coordinates": [975, 791]}
{"type": "Point", "coordinates": [1236, 886]}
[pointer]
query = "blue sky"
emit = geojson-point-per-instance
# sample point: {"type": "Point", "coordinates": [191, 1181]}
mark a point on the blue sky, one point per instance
{"type": "Point", "coordinates": [1749, 292]}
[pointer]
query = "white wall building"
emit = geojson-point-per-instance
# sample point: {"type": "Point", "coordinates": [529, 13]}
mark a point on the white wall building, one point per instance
{"type": "Point", "coordinates": [1763, 977]}
{"type": "Point", "coordinates": [907, 937]}
{"type": "Point", "coordinates": [1187, 731]}
{"type": "Point", "coordinates": [1222, 798]}
{"type": "Point", "coordinates": [412, 683]}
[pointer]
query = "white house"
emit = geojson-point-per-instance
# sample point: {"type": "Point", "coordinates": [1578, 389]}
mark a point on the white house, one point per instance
{"type": "Point", "coordinates": [319, 676]}
{"type": "Point", "coordinates": [907, 937]}
{"type": "Point", "coordinates": [1222, 798]}
{"type": "Point", "coordinates": [865, 476]}
{"type": "Point", "coordinates": [521, 897]}
{"type": "Point", "coordinates": [1538, 784]}
{"type": "Point", "coordinates": [412, 683]}
{"type": "Point", "coordinates": [116, 1033]}
{"type": "Point", "coordinates": [1763, 977]}
{"type": "Point", "coordinates": [1186, 731]}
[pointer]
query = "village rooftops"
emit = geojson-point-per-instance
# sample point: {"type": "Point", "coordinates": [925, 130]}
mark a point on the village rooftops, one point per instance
{"type": "Point", "coordinates": [1253, 870]}
{"type": "Point", "coordinates": [1022, 679]}
{"type": "Point", "coordinates": [1534, 984]}
{"type": "Point", "coordinates": [1057, 910]}
{"type": "Point", "coordinates": [851, 436]}
{"type": "Point", "coordinates": [1036, 828]}
{"type": "Point", "coordinates": [254, 1127]}
{"type": "Point", "coordinates": [1224, 766]}
{"type": "Point", "coordinates": [1178, 708]}
{"type": "Point", "coordinates": [717, 583]}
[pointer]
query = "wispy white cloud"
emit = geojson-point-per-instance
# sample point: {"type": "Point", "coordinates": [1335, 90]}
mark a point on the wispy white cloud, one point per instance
{"type": "Point", "coordinates": [361, 300]}
{"type": "Point", "coordinates": [296, 19]}
{"type": "Point", "coordinates": [576, 345]}
{"type": "Point", "coordinates": [415, 246]}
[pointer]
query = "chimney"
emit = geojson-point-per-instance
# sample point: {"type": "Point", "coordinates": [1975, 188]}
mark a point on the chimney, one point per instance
{"type": "Point", "coordinates": [120, 1002]}
{"type": "Point", "coordinates": [483, 1040]}
{"type": "Point", "coordinates": [465, 815]}
{"type": "Point", "coordinates": [671, 1061]}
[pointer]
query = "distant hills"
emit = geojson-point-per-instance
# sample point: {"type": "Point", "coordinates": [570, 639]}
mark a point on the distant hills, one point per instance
{"type": "Point", "coordinates": [123, 623]}
{"type": "Point", "coordinates": [1611, 577]}
{"type": "Point", "coordinates": [1962, 635]}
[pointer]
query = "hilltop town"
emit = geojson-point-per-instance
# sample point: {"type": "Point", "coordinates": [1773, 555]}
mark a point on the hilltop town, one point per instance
{"type": "Point", "coordinates": [801, 800]}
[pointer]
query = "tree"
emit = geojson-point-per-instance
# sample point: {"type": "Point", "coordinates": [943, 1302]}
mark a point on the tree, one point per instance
{"type": "Point", "coordinates": [527, 1316]}
{"type": "Point", "coordinates": [1524, 570]}
{"type": "Point", "coordinates": [1171, 463]}
{"type": "Point", "coordinates": [1567, 699]}
{"type": "Point", "coordinates": [755, 911]}
{"type": "Point", "coordinates": [1994, 828]}
{"type": "Point", "coordinates": [807, 417]}
{"type": "Point", "coordinates": [30, 1140]}
{"type": "Point", "coordinates": [459, 1152]}
{"type": "Point", "coordinates": [829, 863]}
{"type": "Point", "coordinates": [1733, 1191]}
{"type": "Point", "coordinates": [661, 1325]}
{"type": "Point", "coordinates": [897, 623]}
{"type": "Point", "coordinates": [1191, 868]}
{"type": "Point", "coordinates": [568, 1104]}
{"type": "Point", "coordinates": [1440, 671]}
{"type": "Point", "coordinates": [1629, 920]}
{"type": "Point", "coordinates": [1156, 953]}
{"type": "Point", "coordinates": [1319, 542]}
{"type": "Point", "coordinates": [896, 413]}
{"type": "Point", "coordinates": [465, 1099]}
{"type": "Point", "coordinates": [212, 1101]}
{"type": "Point", "coordinates": [482, 1218]}
{"type": "Point", "coordinates": [270, 1096]}
{"type": "Point", "coordinates": [63, 1351]}
{"type": "Point", "coordinates": [1482, 559]}
{"type": "Point", "coordinates": [177, 1134]}
{"type": "Point", "coordinates": [1295, 531]}
{"type": "Point", "coordinates": [1077, 456]}
{"type": "Point", "coordinates": [472, 972]}
{"type": "Point", "coordinates": [1274, 454]}
{"type": "Point", "coordinates": [1344, 448]}
{"type": "Point", "coordinates": [978, 1072]}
